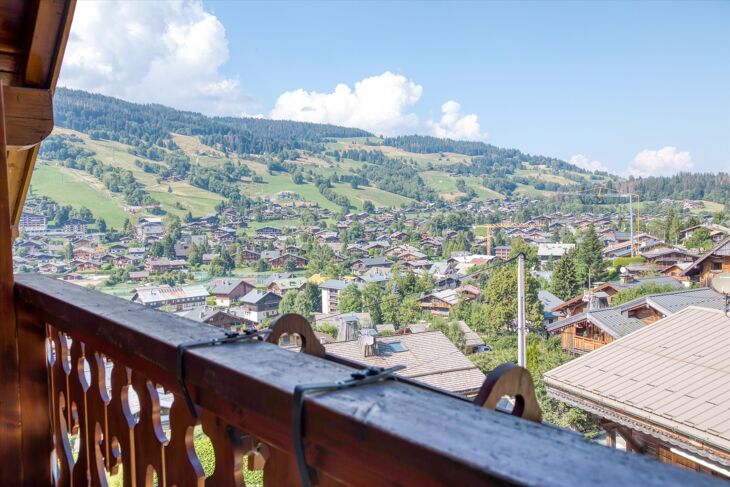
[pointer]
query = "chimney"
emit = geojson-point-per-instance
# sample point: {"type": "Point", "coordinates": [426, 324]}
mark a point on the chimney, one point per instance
{"type": "Point", "coordinates": [367, 345]}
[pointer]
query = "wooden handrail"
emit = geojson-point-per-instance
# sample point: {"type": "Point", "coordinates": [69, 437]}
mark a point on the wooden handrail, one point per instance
{"type": "Point", "coordinates": [380, 434]}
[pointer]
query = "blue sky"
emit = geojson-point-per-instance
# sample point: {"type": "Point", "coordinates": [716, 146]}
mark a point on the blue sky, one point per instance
{"type": "Point", "coordinates": [637, 88]}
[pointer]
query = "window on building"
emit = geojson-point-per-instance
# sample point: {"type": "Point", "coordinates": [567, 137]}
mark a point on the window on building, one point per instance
{"type": "Point", "coordinates": [394, 347]}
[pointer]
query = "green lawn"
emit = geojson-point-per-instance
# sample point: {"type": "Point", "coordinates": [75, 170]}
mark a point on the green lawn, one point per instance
{"type": "Point", "coordinates": [69, 187]}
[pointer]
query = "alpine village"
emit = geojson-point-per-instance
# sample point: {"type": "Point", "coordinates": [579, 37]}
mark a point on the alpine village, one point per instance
{"type": "Point", "coordinates": [168, 279]}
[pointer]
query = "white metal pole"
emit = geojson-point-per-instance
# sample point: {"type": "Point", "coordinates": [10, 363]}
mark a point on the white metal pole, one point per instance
{"type": "Point", "coordinates": [631, 223]}
{"type": "Point", "coordinates": [521, 331]}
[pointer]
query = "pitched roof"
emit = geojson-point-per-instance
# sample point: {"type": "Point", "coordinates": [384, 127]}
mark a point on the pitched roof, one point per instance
{"type": "Point", "coordinates": [256, 295]}
{"type": "Point", "coordinates": [610, 320]}
{"type": "Point", "coordinates": [673, 376]}
{"type": "Point", "coordinates": [548, 299]}
{"type": "Point", "coordinates": [429, 357]}
{"type": "Point", "coordinates": [224, 286]}
{"type": "Point", "coordinates": [723, 246]}
{"type": "Point", "coordinates": [148, 295]}
{"type": "Point", "coordinates": [615, 321]}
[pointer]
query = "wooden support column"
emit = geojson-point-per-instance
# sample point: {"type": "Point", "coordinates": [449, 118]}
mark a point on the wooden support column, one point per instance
{"type": "Point", "coordinates": [36, 424]}
{"type": "Point", "coordinates": [611, 438]}
{"type": "Point", "coordinates": [11, 471]}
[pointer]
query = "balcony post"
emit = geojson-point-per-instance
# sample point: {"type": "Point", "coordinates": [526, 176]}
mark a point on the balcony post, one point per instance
{"type": "Point", "coordinates": [11, 468]}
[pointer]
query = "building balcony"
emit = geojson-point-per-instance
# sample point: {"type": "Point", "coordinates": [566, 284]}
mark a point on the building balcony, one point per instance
{"type": "Point", "coordinates": [82, 352]}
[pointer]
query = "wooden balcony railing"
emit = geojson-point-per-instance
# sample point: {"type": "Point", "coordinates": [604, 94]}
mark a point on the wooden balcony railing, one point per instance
{"type": "Point", "coordinates": [586, 344]}
{"type": "Point", "coordinates": [388, 433]}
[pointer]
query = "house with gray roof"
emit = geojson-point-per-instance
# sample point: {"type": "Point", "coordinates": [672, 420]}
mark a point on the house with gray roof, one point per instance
{"type": "Point", "coordinates": [428, 357]}
{"type": "Point", "coordinates": [663, 390]}
{"type": "Point", "coordinates": [228, 289]}
{"type": "Point", "coordinates": [595, 328]}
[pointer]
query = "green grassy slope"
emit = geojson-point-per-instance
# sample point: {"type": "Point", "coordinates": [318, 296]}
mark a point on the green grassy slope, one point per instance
{"type": "Point", "coordinates": [71, 187]}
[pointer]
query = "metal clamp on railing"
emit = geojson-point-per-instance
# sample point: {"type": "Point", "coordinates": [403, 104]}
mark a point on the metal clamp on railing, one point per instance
{"type": "Point", "coordinates": [229, 337]}
{"type": "Point", "coordinates": [358, 378]}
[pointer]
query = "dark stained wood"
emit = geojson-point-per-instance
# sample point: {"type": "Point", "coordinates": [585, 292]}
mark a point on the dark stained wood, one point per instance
{"type": "Point", "coordinates": [185, 470]}
{"type": "Point", "coordinates": [381, 434]}
{"type": "Point", "coordinates": [514, 382]}
{"type": "Point", "coordinates": [37, 434]}
{"type": "Point", "coordinates": [10, 428]}
{"type": "Point", "coordinates": [228, 452]}
{"type": "Point", "coordinates": [28, 116]}
{"type": "Point", "coordinates": [49, 36]}
{"type": "Point", "coordinates": [291, 324]}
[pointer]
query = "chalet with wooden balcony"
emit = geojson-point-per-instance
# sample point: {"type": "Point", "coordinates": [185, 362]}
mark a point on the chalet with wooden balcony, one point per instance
{"type": "Point", "coordinates": [605, 292]}
{"type": "Point", "coordinates": [93, 387]}
{"type": "Point", "coordinates": [660, 390]}
{"type": "Point", "coordinates": [714, 262]}
{"type": "Point", "coordinates": [666, 257]}
{"type": "Point", "coordinates": [595, 328]}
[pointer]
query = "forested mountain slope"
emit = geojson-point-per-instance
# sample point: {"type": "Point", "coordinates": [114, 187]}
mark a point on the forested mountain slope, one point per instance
{"type": "Point", "coordinates": [139, 155]}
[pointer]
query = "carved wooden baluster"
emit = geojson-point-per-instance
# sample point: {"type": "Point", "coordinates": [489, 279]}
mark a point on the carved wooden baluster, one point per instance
{"type": "Point", "coordinates": [121, 425]}
{"type": "Point", "coordinates": [98, 470]}
{"type": "Point", "coordinates": [78, 385]}
{"type": "Point", "coordinates": [228, 451]}
{"type": "Point", "coordinates": [149, 438]}
{"type": "Point", "coordinates": [183, 466]}
{"type": "Point", "coordinates": [62, 444]}
{"type": "Point", "coordinates": [97, 399]}
{"type": "Point", "coordinates": [57, 383]}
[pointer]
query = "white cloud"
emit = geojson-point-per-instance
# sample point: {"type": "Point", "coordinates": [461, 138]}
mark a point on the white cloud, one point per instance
{"type": "Point", "coordinates": [380, 104]}
{"type": "Point", "coordinates": [454, 125]}
{"type": "Point", "coordinates": [163, 52]}
{"type": "Point", "coordinates": [662, 162]}
{"type": "Point", "coordinates": [586, 163]}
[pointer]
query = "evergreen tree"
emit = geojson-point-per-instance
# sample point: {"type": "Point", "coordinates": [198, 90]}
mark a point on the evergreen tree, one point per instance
{"type": "Point", "coordinates": [589, 257]}
{"type": "Point", "coordinates": [565, 282]}
{"type": "Point", "coordinates": [101, 224]}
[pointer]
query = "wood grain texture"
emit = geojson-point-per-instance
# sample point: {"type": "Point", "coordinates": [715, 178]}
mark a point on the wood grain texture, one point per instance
{"type": "Point", "coordinates": [10, 417]}
{"type": "Point", "coordinates": [28, 115]}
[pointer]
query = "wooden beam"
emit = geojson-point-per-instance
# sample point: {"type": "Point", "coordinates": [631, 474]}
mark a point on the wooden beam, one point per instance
{"type": "Point", "coordinates": [50, 34]}
{"type": "Point", "coordinates": [28, 116]}
{"type": "Point", "coordinates": [51, 28]}
{"type": "Point", "coordinates": [11, 472]}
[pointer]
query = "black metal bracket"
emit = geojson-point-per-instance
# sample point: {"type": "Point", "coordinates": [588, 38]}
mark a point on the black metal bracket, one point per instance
{"type": "Point", "coordinates": [358, 378]}
{"type": "Point", "coordinates": [229, 337]}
